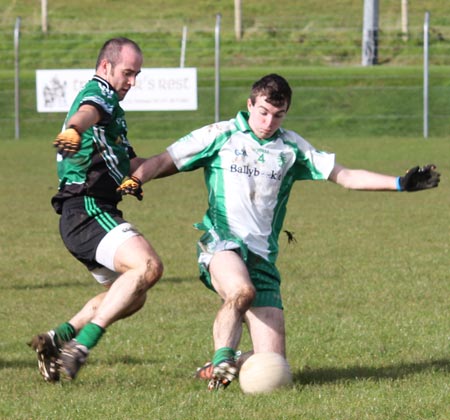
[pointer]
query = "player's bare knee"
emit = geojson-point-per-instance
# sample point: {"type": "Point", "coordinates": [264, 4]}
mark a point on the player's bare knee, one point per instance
{"type": "Point", "coordinates": [247, 297]}
{"type": "Point", "coordinates": [242, 300]}
{"type": "Point", "coordinates": [250, 292]}
{"type": "Point", "coordinates": [153, 271]}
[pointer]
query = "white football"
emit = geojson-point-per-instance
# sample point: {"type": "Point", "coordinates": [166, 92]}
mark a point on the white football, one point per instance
{"type": "Point", "coordinates": [264, 372]}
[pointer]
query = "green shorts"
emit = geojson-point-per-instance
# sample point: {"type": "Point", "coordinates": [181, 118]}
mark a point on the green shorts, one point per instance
{"type": "Point", "coordinates": [263, 274]}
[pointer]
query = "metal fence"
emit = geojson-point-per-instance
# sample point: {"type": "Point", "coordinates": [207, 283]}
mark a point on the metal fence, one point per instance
{"type": "Point", "coordinates": [264, 46]}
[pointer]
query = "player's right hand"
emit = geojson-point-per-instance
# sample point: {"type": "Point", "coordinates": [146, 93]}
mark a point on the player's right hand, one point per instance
{"type": "Point", "coordinates": [68, 142]}
{"type": "Point", "coordinates": [131, 185]}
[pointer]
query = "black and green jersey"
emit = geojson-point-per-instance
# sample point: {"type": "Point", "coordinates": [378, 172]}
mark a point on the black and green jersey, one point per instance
{"type": "Point", "coordinates": [99, 167]}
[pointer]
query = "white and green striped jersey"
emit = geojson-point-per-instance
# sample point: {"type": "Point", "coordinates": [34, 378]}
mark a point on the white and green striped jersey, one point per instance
{"type": "Point", "coordinates": [248, 179]}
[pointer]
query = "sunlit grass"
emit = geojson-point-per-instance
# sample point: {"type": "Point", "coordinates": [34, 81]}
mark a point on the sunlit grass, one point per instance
{"type": "Point", "coordinates": [365, 292]}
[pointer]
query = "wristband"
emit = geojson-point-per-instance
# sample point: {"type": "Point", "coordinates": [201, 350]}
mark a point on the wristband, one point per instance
{"type": "Point", "coordinates": [136, 179]}
{"type": "Point", "coordinates": [397, 184]}
{"type": "Point", "coordinates": [75, 128]}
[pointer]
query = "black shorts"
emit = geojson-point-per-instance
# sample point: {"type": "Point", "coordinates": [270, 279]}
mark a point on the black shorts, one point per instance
{"type": "Point", "coordinates": [84, 223]}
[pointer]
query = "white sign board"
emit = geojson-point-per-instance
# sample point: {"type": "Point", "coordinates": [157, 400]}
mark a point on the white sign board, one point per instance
{"type": "Point", "coordinates": [157, 89]}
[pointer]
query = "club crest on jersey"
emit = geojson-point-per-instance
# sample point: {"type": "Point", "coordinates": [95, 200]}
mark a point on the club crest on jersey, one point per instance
{"type": "Point", "coordinates": [281, 160]}
{"type": "Point", "coordinates": [240, 152]}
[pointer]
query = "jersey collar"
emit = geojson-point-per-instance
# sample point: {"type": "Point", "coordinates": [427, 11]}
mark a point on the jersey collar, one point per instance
{"type": "Point", "coordinates": [242, 125]}
{"type": "Point", "coordinates": [104, 82]}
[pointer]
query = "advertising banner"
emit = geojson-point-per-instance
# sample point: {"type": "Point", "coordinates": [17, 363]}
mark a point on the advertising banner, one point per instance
{"type": "Point", "coordinates": [157, 89]}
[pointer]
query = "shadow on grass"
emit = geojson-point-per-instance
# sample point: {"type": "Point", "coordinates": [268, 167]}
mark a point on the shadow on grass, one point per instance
{"type": "Point", "coordinates": [308, 376]}
{"type": "Point", "coordinates": [321, 376]}
{"type": "Point", "coordinates": [126, 360]}
{"type": "Point", "coordinates": [78, 283]}
{"type": "Point", "coordinates": [31, 362]}
{"type": "Point", "coordinates": [45, 285]}
{"type": "Point", "coordinates": [19, 364]}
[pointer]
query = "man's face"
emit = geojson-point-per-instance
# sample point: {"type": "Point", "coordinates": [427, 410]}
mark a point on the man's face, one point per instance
{"type": "Point", "coordinates": [265, 118]}
{"type": "Point", "coordinates": [123, 76]}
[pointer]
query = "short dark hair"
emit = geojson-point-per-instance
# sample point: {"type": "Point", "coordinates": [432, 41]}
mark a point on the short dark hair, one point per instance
{"type": "Point", "coordinates": [275, 88]}
{"type": "Point", "coordinates": [111, 50]}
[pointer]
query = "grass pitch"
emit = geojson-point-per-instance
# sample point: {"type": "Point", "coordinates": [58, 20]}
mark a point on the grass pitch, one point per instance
{"type": "Point", "coordinates": [365, 291]}
{"type": "Point", "coordinates": [366, 285]}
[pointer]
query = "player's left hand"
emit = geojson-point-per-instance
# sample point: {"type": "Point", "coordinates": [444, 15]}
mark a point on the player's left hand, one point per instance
{"type": "Point", "coordinates": [417, 178]}
{"type": "Point", "coordinates": [132, 186]}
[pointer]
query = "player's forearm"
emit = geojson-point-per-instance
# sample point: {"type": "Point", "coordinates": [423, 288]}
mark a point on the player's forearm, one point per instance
{"type": "Point", "coordinates": [360, 179]}
{"type": "Point", "coordinates": [84, 118]}
{"type": "Point", "coordinates": [157, 166]}
{"type": "Point", "coordinates": [135, 163]}
{"type": "Point", "coordinates": [365, 180]}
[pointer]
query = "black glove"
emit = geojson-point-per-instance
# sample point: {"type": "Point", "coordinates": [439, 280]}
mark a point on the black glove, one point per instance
{"type": "Point", "coordinates": [417, 178]}
{"type": "Point", "coordinates": [132, 186]}
{"type": "Point", "coordinates": [68, 142]}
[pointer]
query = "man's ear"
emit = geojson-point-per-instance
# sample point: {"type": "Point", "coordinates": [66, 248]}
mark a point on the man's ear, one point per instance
{"type": "Point", "coordinates": [249, 104]}
{"type": "Point", "coordinates": [108, 68]}
{"type": "Point", "coordinates": [104, 69]}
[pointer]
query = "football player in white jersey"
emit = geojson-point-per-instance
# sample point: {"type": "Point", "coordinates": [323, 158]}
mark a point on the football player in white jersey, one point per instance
{"type": "Point", "coordinates": [250, 164]}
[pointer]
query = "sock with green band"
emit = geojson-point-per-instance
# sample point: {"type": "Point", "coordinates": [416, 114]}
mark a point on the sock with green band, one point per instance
{"type": "Point", "coordinates": [64, 332]}
{"type": "Point", "coordinates": [224, 353]}
{"type": "Point", "coordinates": [90, 335]}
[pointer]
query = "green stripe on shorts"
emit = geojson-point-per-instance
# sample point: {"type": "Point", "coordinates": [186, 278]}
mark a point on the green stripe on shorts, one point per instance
{"type": "Point", "coordinates": [104, 219]}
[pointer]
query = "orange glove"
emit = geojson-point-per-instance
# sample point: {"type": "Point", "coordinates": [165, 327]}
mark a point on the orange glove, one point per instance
{"type": "Point", "coordinates": [68, 142]}
{"type": "Point", "coordinates": [132, 186]}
